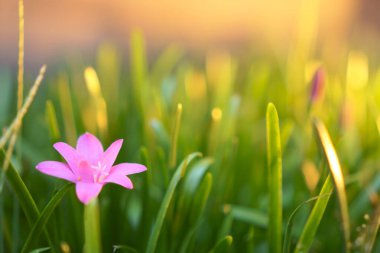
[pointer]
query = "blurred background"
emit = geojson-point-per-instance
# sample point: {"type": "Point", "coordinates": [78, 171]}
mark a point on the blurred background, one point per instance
{"type": "Point", "coordinates": [55, 28]}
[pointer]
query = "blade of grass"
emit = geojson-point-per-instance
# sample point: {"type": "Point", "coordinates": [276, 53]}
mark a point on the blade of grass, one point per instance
{"type": "Point", "coordinates": [23, 195]}
{"type": "Point", "coordinates": [337, 174]}
{"type": "Point", "coordinates": [51, 120]}
{"type": "Point", "coordinates": [40, 250]}
{"type": "Point", "coordinates": [39, 225]}
{"type": "Point", "coordinates": [166, 201]}
{"type": "Point", "coordinates": [199, 204]}
{"type": "Point", "coordinates": [174, 137]}
{"type": "Point", "coordinates": [92, 228]}
{"type": "Point", "coordinates": [66, 102]}
{"type": "Point", "coordinates": [275, 179]}
{"type": "Point", "coordinates": [223, 245]}
{"type": "Point", "coordinates": [249, 215]}
{"type": "Point", "coordinates": [315, 217]}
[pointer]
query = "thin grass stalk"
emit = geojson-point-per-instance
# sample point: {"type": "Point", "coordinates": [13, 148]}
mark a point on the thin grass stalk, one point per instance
{"type": "Point", "coordinates": [275, 179]}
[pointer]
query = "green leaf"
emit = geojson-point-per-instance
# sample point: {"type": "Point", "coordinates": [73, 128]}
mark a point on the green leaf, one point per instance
{"type": "Point", "coordinates": [166, 201]}
{"type": "Point", "coordinates": [275, 179]}
{"type": "Point", "coordinates": [39, 225]}
{"type": "Point", "coordinates": [92, 228]}
{"type": "Point", "coordinates": [312, 223]}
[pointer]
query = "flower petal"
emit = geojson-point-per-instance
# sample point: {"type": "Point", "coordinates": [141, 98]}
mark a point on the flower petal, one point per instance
{"type": "Point", "coordinates": [68, 153]}
{"type": "Point", "coordinates": [85, 173]}
{"type": "Point", "coordinates": [56, 169]}
{"type": "Point", "coordinates": [127, 168]}
{"type": "Point", "coordinates": [87, 191]}
{"type": "Point", "coordinates": [111, 153]}
{"type": "Point", "coordinates": [120, 180]}
{"type": "Point", "coordinates": [89, 147]}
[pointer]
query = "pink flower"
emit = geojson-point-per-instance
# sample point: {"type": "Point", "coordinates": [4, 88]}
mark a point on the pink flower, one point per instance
{"type": "Point", "coordinates": [89, 167]}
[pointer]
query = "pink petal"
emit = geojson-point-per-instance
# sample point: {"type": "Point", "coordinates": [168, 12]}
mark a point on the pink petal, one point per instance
{"type": "Point", "coordinates": [111, 153]}
{"type": "Point", "coordinates": [68, 153]}
{"type": "Point", "coordinates": [85, 173]}
{"type": "Point", "coordinates": [127, 168]}
{"type": "Point", "coordinates": [87, 191]}
{"type": "Point", "coordinates": [56, 169]}
{"type": "Point", "coordinates": [120, 180]}
{"type": "Point", "coordinates": [89, 147]}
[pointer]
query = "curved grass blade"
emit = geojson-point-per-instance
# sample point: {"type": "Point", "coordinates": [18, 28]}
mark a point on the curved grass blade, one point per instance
{"type": "Point", "coordinates": [223, 245]}
{"type": "Point", "coordinates": [92, 235]}
{"type": "Point", "coordinates": [336, 172]}
{"type": "Point", "coordinates": [25, 198]}
{"type": "Point", "coordinates": [23, 195]}
{"type": "Point", "coordinates": [312, 223]}
{"type": "Point", "coordinates": [166, 201]}
{"type": "Point", "coordinates": [44, 217]}
{"type": "Point", "coordinates": [275, 179]}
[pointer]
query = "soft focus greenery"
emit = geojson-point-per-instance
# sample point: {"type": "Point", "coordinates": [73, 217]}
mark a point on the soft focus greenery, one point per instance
{"type": "Point", "coordinates": [169, 107]}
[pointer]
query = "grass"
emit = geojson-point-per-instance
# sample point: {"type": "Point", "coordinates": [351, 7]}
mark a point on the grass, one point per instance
{"type": "Point", "coordinates": [262, 166]}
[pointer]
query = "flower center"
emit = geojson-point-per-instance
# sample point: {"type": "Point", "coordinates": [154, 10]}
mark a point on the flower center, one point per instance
{"type": "Point", "coordinates": [100, 172]}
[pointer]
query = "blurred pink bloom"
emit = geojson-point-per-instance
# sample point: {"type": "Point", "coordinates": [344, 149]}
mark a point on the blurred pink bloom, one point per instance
{"type": "Point", "coordinates": [89, 167]}
{"type": "Point", "coordinates": [318, 83]}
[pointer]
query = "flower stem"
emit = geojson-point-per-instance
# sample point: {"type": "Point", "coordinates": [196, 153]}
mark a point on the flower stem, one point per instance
{"type": "Point", "coordinates": [92, 228]}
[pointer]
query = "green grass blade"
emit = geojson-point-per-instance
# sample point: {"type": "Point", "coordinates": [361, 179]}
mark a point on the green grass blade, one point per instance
{"type": "Point", "coordinates": [44, 217]}
{"type": "Point", "coordinates": [92, 228]}
{"type": "Point", "coordinates": [23, 195]}
{"type": "Point", "coordinates": [223, 245]}
{"type": "Point", "coordinates": [248, 215]}
{"type": "Point", "coordinates": [67, 108]}
{"type": "Point", "coordinates": [275, 179]}
{"type": "Point", "coordinates": [199, 205]}
{"type": "Point", "coordinates": [51, 120]}
{"type": "Point", "coordinates": [200, 199]}
{"type": "Point", "coordinates": [337, 174]}
{"type": "Point", "coordinates": [174, 137]}
{"type": "Point", "coordinates": [312, 223]}
{"type": "Point", "coordinates": [166, 201]}
{"type": "Point", "coordinates": [40, 250]}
